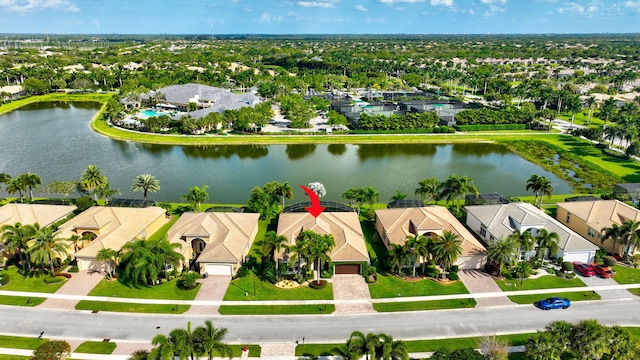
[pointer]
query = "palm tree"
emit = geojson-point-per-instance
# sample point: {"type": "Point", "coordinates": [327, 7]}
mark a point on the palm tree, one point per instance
{"type": "Point", "coordinates": [428, 189]}
{"type": "Point", "coordinates": [186, 345]}
{"type": "Point", "coordinates": [454, 187]}
{"type": "Point", "coordinates": [286, 191]}
{"type": "Point", "coordinates": [92, 179]}
{"type": "Point", "coordinates": [629, 236]}
{"type": "Point", "coordinates": [30, 181]}
{"type": "Point", "coordinates": [109, 256]}
{"type": "Point", "coordinates": [16, 186]}
{"type": "Point", "coordinates": [446, 249]}
{"type": "Point", "coordinates": [165, 347]}
{"type": "Point", "coordinates": [271, 245]}
{"type": "Point", "coordinates": [211, 339]}
{"type": "Point", "coordinates": [145, 183]}
{"type": "Point", "coordinates": [501, 252]}
{"type": "Point", "coordinates": [320, 246]}
{"type": "Point", "coordinates": [16, 238]}
{"type": "Point", "coordinates": [393, 349]}
{"type": "Point", "coordinates": [141, 264]}
{"type": "Point", "coordinates": [46, 246]}
{"type": "Point", "coordinates": [545, 189]}
{"type": "Point", "coordinates": [357, 345]}
{"type": "Point", "coordinates": [525, 240]}
{"type": "Point", "coordinates": [105, 192]}
{"type": "Point", "coordinates": [196, 196]}
{"type": "Point", "coordinates": [591, 103]}
{"type": "Point", "coordinates": [547, 241]}
{"type": "Point", "coordinates": [533, 184]}
{"type": "Point", "coordinates": [398, 255]}
{"type": "Point", "coordinates": [607, 110]}
{"type": "Point", "coordinates": [418, 246]}
{"type": "Point", "coordinates": [5, 178]}
{"type": "Point", "coordinates": [588, 339]}
{"type": "Point", "coordinates": [167, 252]}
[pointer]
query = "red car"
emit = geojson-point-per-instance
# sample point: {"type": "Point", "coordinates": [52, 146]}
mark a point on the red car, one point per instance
{"type": "Point", "coordinates": [602, 271]}
{"type": "Point", "coordinates": [583, 269]}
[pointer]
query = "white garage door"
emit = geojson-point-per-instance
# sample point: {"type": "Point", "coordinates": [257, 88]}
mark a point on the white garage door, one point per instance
{"type": "Point", "coordinates": [582, 256]}
{"type": "Point", "coordinates": [470, 262]}
{"type": "Point", "coordinates": [218, 269]}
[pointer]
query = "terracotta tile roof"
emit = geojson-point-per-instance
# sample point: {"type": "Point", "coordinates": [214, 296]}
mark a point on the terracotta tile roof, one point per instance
{"type": "Point", "coordinates": [29, 214]}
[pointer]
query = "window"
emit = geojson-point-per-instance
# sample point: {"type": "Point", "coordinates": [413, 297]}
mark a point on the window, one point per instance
{"type": "Point", "coordinates": [568, 217]}
{"type": "Point", "coordinates": [492, 238]}
{"type": "Point", "coordinates": [591, 232]}
{"type": "Point", "coordinates": [483, 231]}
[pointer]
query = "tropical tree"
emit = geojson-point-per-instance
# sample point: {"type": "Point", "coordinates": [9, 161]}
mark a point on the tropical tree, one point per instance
{"type": "Point", "coordinates": [91, 179]}
{"type": "Point", "coordinates": [399, 195]}
{"type": "Point", "coordinates": [110, 257]}
{"type": "Point", "coordinates": [548, 243]}
{"type": "Point", "coordinates": [320, 246]}
{"type": "Point", "coordinates": [271, 245]}
{"type": "Point", "coordinates": [166, 347]}
{"type": "Point", "coordinates": [106, 192]}
{"type": "Point", "coordinates": [145, 183]}
{"type": "Point", "coordinates": [30, 181]}
{"type": "Point", "coordinates": [446, 249]}
{"type": "Point", "coordinates": [358, 345]}
{"type": "Point", "coordinates": [392, 349]}
{"type": "Point", "coordinates": [534, 185]}
{"type": "Point", "coordinates": [285, 191]}
{"type": "Point", "coordinates": [398, 256]}
{"type": "Point", "coordinates": [16, 239]}
{"type": "Point", "coordinates": [196, 196]}
{"type": "Point", "coordinates": [318, 189]}
{"type": "Point", "coordinates": [588, 340]}
{"type": "Point", "coordinates": [14, 186]}
{"type": "Point", "coordinates": [428, 189]}
{"type": "Point", "coordinates": [545, 189]}
{"type": "Point", "coordinates": [542, 347]}
{"type": "Point", "coordinates": [61, 188]}
{"type": "Point", "coordinates": [5, 178]}
{"type": "Point", "coordinates": [622, 345]}
{"type": "Point", "coordinates": [525, 240]}
{"type": "Point", "coordinates": [211, 339]}
{"type": "Point", "coordinates": [626, 235]}
{"type": "Point", "coordinates": [144, 260]}
{"type": "Point", "coordinates": [501, 252]}
{"type": "Point", "coordinates": [540, 186]}
{"type": "Point", "coordinates": [419, 247]}
{"type": "Point", "coordinates": [454, 187]}
{"type": "Point", "coordinates": [46, 246]}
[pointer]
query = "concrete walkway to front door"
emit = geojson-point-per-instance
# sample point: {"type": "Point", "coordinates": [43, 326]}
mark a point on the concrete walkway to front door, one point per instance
{"type": "Point", "coordinates": [354, 289]}
{"type": "Point", "coordinates": [478, 281]}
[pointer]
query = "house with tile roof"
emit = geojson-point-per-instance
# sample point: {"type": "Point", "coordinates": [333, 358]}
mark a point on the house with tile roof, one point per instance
{"type": "Point", "coordinates": [350, 252]}
{"type": "Point", "coordinates": [395, 225]}
{"type": "Point", "coordinates": [590, 218]}
{"type": "Point", "coordinates": [492, 222]}
{"type": "Point", "coordinates": [215, 243]}
{"type": "Point", "coordinates": [107, 227]}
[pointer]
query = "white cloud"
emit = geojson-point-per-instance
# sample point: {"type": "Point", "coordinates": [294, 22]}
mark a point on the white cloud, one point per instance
{"type": "Point", "coordinates": [503, 2]}
{"type": "Point", "coordinates": [268, 18]}
{"type": "Point", "coordinates": [401, 1]}
{"type": "Point", "coordinates": [36, 5]}
{"type": "Point", "coordinates": [371, 20]}
{"type": "Point", "coordinates": [571, 8]}
{"type": "Point", "coordinates": [469, 11]}
{"type": "Point", "coordinates": [633, 5]}
{"type": "Point", "coordinates": [318, 3]}
{"type": "Point", "coordinates": [441, 2]}
{"type": "Point", "coordinates": [361, 7]}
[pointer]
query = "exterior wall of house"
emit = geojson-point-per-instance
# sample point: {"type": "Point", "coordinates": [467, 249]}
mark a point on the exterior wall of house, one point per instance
{"type": "Point", "coordinates": [475, 225]}
{"type": "Point", "coordinates": [580, 226]}
{"type": "Point", "coordinates": [381, 233]}
{"type": "Point", "coordinates": [154, 226]}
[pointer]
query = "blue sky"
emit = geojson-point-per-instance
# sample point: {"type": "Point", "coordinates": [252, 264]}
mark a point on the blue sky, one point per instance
{"type": "Point", "coordinates": [319, 16]}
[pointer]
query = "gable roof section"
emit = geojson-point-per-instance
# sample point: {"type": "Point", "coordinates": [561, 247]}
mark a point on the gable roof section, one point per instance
{"type": "Point", "coordinates": [117, 226]}
{"type": "Point", "coordinates": [602, 213]}
{"type": "Point", "coordinates": [29, 214]}
{"type": "Point", "coordinates": [226, 234]}
{"type": "Point", "coordinates": [399, 223]}
{"type": "Point", "coordinates": [343, 226]}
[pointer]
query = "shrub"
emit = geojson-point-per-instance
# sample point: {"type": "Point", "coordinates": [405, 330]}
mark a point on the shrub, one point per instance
{"type": "Point", "coordinates": [188, 281]}
{"type": "Point", "coordinates": [609, 260]}
{"type": "Point", "coordinates": [371, 270]}
{"type": "Point", "coordinates": [4, 279]}
{"type": "Point", "coordinates": [74, 269]}
{"type": "Point", "coordinates": [53, 279]}
{"type": "Point", "coordinates": [320, 284]}
{"type": "Point", "coordinates": [454, 268]}
{"type": "Point", "coordinates": [453, 276]}
{"type": "Point", "coordinates": [325, 274]}
{"type": "Point", "coordinates": [571, 275]}
{"type": "Point", "coordinates": [551, 271]}
{"type": "Point", "coordinates": [84, 202]}
{"type": "Point", "coordinates": [66, 275]}
{"type": "Point", "coordinates": [52, 350]}
{"type": "Point", "coordinates": [567, 266]}
{"type": "Point", "coordinates": [432, 271]}
{"type": "Point", "coordinates": [243, 271]}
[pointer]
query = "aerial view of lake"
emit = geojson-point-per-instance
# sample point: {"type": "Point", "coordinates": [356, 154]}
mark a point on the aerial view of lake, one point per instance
{"type": "Point", "coordinates": [54, 140]}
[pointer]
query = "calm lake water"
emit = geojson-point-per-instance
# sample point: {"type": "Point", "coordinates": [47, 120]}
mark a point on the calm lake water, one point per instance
{"type": "Point", "coordinates": [54, 140]}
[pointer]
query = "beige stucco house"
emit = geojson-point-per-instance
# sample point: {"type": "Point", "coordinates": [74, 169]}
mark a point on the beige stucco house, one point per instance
{"type": "Point", "coordinates": [110, 227]}
{"type": "Point", "coordinates": [215, 243]}
{"type": "Point", "coordinates": [590, 218]}
{"type": "Point", "coordinates": [350, 251]}
{"type": "Point", "coordinates": [29, 214]}
{"type": "Point", "coordinates": [394, 225]}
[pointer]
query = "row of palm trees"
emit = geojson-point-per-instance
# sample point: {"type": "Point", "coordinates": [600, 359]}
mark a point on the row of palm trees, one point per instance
{"type": "Point", "coordinates": [34, 245]}
{"type": "Point", "coordinates": [506, 251]}
{"type": "Point", "coordinates": [205, 340]}
{"type": "Point", "coordinates": [451, 189]}
{"type": "Point", "coordinates": [627, 234]}
{"type": "Point", "coordinates": [540, 186]}
{"type": "Point", "coordinates": [375, 346]}
{"type": "Point", "coordinates": [419, 250]}
{"type": "Point", "coordinates": [22, 184]}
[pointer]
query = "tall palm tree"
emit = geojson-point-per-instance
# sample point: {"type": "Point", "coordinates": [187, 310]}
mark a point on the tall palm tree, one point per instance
{"type": "Point", "coordinates": [398, 255]}
{"type": "Point", "coordinates": [357, 345]}
{"type": "Point", "coordinates": [629, 236]}
{"type": "Point", "coordinates": [320, 247]}
{"type": "Point", "coordinates": [106, 192]}
{"type": "Point", "coordinates": [591, 103]}
{"type": "Point", "coordinates": [525, 240]}
{"type": "Point", "coordinates": [167, 252]}
{"type": "Point", "coordinates": [5, 178]}
{"type": "Point", "coordinates": [454, 187]}
{"type": "Point", "coordinates": [446, 249]}
{"type": "Point", "coordinates": [46, 246]}
{"type": "Point", "coordinates": [16, 186]}
{"type": "Point", "coordinates": [165, 347]}
{"type": "Point", "coordinates": [30, 181]}
{"type": "Point", "coordinates": [109, 256]}
{"type": "Point", "coordinates": [418, 246]}
{"type": "Point", "coordinates": [393, 349]}
{"type": "Point", "coordinates": [271, 245]}
{"type": "Point", "coordinates": [534, 185]}
{"type": "Point", "coordinates": [501, 252]}
{"type": "Point", "coordinates": [145, 183]}
{"type": "Point", "coordinates": [91, 179]}
{"type": "Point", "coordinates": [286, 191]}
{"type": "Point", "coordinates": [547, 241]}
{"type": "Point", "coordinates": [196, 196]}
{"type": "Point", "coordinates": [428, 189]}
{"type": "Point", "coordinates": [187, 344]}
{"type": "Point", "coordinates": [607, 110]}
{"type": "Point", "coordinates": [613, 233]}
{"type": "Point", "coordinates": [16, 238]}
{"type": "Point", "coordinates": [211, 339]}
{"type": "Point", "coordinates": [545, 189]}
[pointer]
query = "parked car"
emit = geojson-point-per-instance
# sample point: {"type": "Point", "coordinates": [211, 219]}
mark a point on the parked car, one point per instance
{"type": "Point", "coordinates": [583, 269]}
{"type": "Point", "coordinates": [553, 303]}
{"type": "Point", "coordinates": [602, 271]}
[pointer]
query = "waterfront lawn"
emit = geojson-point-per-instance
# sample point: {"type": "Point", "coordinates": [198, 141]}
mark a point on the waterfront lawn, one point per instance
{"type": "Point", "coordinates": [131, 307]}
{"type": "Point", "coordinates": [159, 235]}
{"type": "Point", "coordinates": [276, 309]}
{"type": "Point", "coordinates": [543, 282]}
{"type": "Point", "coordinates": [15, 104]}
{"type": "Point", "coordinates": [20, 342]}
{"type": "Point", "coordinates": [20, 300]}
{"type": "Point", "coordinates": [32, 282]}
{"type": "Point", "coordinates": [572, 296]}
{"type": "Point", "coordinates": [425, 305]}
{"type": "Point", "coordinates": [241, 289]}
{"type": "Point", "coordinates": [168, 291]}
{"type": "Point", "coordinates": [96, 347]}
{"type": "Point", "coordinates": [389, 286]}
{"type": "Point", "coordinates": [626, 275]}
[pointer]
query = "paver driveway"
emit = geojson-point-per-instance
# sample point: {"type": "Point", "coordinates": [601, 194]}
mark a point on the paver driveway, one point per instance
{"type": "Point", "coordinates": [606, 294]}
{"type": "Point", "coordinates": [351, 287]}
{"type": "Point", "coordinates": [478, 281]}
{"type": "Point", "coordinates": [212, 288]}
{"type": "Point", "coordinates": [81, 283]}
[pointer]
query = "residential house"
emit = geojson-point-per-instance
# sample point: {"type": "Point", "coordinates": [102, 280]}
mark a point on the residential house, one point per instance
{"type": "Point", "coordinates": [207, 98]}
{"type": "Point", "coordinates": [106, 227]}
{"type": "Point", "coordinates": [11, 92]}
{"type": "Point", "coordinates": [350, 251]}
{"type": "Point", "coordinates": [590, 218]}
{"type": "Point", "coordinates": [215, 243]}
{"type": "Point", "coordinates": [492, 222]}
{"type": "Point", "coordinates": [395, 225]}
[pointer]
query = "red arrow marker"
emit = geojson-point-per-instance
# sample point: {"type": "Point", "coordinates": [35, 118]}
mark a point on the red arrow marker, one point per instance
{"type": "Point", "coordinates": [315, 209]}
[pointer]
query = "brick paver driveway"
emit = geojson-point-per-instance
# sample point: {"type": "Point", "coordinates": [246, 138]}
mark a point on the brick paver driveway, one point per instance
{"type": "Point", "coordinates": [212, 288]}
{"type": "Point", "coordinates": [478, 281]}
{"type": "Point", "coordinates": [81, 283]}
{"type": "Point", "coordinates": [352, 287]}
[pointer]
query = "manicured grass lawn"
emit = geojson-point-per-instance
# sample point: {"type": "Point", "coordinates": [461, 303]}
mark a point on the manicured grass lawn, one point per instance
{"type": "Point", "coordinates": [167, 291]}
{"type": "Point", "coordinates": [19, 342]}
{"type": "Point", "coordinates": [236, 350]}
{"type": "Point", "coordinates": [389, 286]}
{"type": "Point", "coordinates": [267, 291]}
{"type": "Point", "coordinates": [54, 97]}
{"type": "Point", "coordinates": [135, 308]}
{"type": "Point", "coordinates": [33, 282]}
{"type": "Point", "coordinates": [158, 235]}
{"type": "Point", "coordinates": [573, 296]}
{"type": "Point", "coordinates": [13, 357]}
{"type": "Point", "coordinates": [20, 300]}
{"type": "Point", "coordinates": [543, 282]}
{"type": "Point", "coordinates": [425, 305]}
{"type": "Point", "coordinates": [276, 309]}
{"type": "Point", "coordinates": [626, 275]}
{"type": "Point", "coordinates": [96, 347]}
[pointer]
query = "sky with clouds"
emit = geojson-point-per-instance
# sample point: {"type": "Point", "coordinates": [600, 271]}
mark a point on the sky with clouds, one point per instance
{"type": "Point", "coordinates": [319, 16]}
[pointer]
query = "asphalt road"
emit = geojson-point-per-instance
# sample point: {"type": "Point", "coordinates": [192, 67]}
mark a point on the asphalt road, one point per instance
{"type": "Point", "coordinates": [315, 329]}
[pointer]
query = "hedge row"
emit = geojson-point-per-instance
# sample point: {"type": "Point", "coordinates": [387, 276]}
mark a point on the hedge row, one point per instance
{"type": "Point", "coordinates": [491, 127]}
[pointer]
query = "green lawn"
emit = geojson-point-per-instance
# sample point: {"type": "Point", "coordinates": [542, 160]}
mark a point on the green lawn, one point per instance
{"type": "Point", "coordinates": [131, 307]}
{"type": "Point", "coordinates": [241, 289]}
{"type": "Point", "coordinates": [102, 98]}
{"type": "Point", "coordinates": [573, 296]}
{"type": "Point", "coordinates": [425, 305]}
{"type": "Point", "coordinates": [168, 291]}
{"type": "Point", "coordinates": [19, 342]}
{"type": "Point", "coordinates": [236, 350]}
{"type": "Point", "coordinates": [276, 309]}
{"type": "Point", "coordinates": [158, 235]}
{"type": "Point", "coordinates": [543, 282]}
{"type": "Point", "coordinates": [13, 357]}
{"type": "Point", "coordinates": [20, 300]}
{"type": "Point", "coordinates": [96, 347]}
{"type": "Point", "coordinates": [389, 286]}
{"type": "Point", "coordinates": [626, 275]}
{"type": "Point", "coordinates": [33, 282]}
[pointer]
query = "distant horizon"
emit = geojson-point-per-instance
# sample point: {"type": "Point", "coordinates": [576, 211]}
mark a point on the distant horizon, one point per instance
{"type": "Point", "coordinates": [314, 34]}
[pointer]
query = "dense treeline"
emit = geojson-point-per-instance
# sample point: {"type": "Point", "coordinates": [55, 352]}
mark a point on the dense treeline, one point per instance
{"type": "Point", "coordinates": [398, 122]}
{"type": "Point", "coordinates": [508, 115]}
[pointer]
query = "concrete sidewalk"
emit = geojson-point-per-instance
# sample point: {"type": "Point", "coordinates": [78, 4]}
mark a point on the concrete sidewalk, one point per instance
{"type": "Point", "coordinates": [80, 284]}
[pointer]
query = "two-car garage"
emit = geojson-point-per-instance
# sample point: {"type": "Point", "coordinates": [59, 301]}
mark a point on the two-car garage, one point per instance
{"type": "Point", "coordinates": [217, 269]}
{"type": "Point", "coordinates": [346, 269]}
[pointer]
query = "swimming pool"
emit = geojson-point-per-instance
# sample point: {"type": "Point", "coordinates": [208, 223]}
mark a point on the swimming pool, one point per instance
{"type": "Point", "coordinates": [151, 112]}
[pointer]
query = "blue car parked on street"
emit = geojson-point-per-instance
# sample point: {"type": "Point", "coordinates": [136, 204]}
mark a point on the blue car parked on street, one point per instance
{"type": "Point", "coordinates": [553, 303]}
